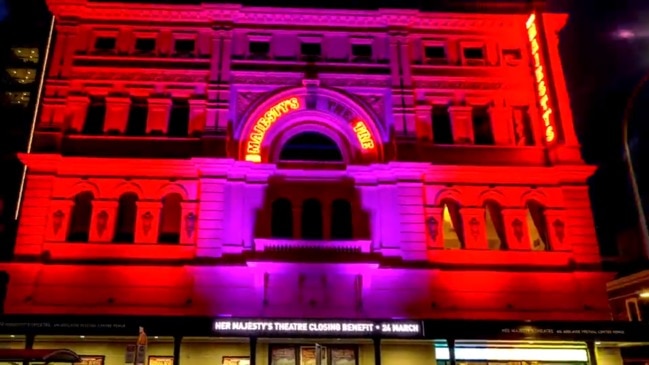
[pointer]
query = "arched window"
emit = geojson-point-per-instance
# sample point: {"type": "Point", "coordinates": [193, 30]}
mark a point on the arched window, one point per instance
{"type": "Point", "coordinates": [126, 218]}
{"type": "Point", "coordinates": [137, 117]}
{"type": "Point", "coordinates": [95, 116]}
{"type": "Point", "coordinates": [170, 218]}
{"type": "Point", "coordinates": [312, 220]}
{"type": "Point", "coordinates": [341, 220]}
{"type": "Point", "coordinates": [452, 227]}
{"type": "Point", "coordinates": [537, 226]}
{"type": "Point", "coordinates": [311, 146]}
{"type": "Point", "coordinates": [495, 224]}
{"type": "Point", "coordinates": [281, 219]}
{"type": "Point", "coordinates": [80, 218]}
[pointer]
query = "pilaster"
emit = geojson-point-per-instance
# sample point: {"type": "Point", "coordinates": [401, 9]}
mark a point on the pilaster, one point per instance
{"type": "Point", "coordinates": [102, 223]}
{"type": "Point", "coordinates": [189, 223]}
{"type": "Point", "coordinates": [434, 220]}
{"type": "Point", "coordinates": [58, 220]}
{"type": "Point", "coordinates": [197, 112]}
{"type": "Point", "coordinates": [516, 230]}
{"type": "Point", "coordinates": [158, 115]}
{"type": "Point", "coordinates": [461, 124]}
{"type": "Point", "coordinates": [77, 106]}
{"type": "Point", "coordinates": [475, 234]}
{"type": "Point", "coordinates": [147, 221]}
{"type": "Point", "coordinates": [424, 122]}
{"type": "Point", "coordinates": [117, 111]}
{"type": "Point", "coordinates": [502, 125]}
{"type": "Point", "coordinates": [556, 229]}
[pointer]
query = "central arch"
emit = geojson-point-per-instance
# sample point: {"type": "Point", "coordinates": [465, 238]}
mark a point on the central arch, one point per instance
{"type": "Point", "coordinates": [270, 124]}
{"type": "Point", "coordinates": [310, 146]}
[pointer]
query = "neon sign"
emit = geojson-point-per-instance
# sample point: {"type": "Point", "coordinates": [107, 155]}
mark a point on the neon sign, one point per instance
{"type": "Point", "coordinates": [364, 135]}
{"type": "Point", "coordinates": [253, 147]}
{"type": "Point", "coordinates": [270, 327]}
{"type": "Point", "coordinates": [541, 82]}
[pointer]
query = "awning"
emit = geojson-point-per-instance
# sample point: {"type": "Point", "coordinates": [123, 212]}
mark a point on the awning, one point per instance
{"type": "Point", "coordinates": [56, 355]}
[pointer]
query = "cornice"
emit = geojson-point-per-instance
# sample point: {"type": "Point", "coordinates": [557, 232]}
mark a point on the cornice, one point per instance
{"type": "Point", "coordinates": [135, 75]}
{"type": "Point", "coordinates": [239, 15]}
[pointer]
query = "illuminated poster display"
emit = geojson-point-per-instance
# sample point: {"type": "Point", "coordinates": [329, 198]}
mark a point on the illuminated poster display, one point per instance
{"type": "Point", "coordinates": [542, 85]}
{"type": "Point", "coordinates": [235, 360]}
{"type": "Point", "coordinates": [90, 360]}
{"type": "Point", "coordinates": [319, 328]}
{"type": "Point", "coordinates": [283, 356]}
{"type": "Point", "coordinates": [161, 360]}
{"type": "Point", "coordinates": [308, 355]}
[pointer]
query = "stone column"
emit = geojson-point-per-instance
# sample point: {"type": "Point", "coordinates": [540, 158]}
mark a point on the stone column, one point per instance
{"type": "Point", "coordinates": [434, 221]}
{"type": "Point", "coordinates": [516, 230]}
{"type": "Point", "coordinates": [502, 125]}
{"type": "Point", "coordinates": [102, 223]}
{"type": "Point", "coordinates": [475, 234]}
{"type": "Point", "coordinates": [69, 51]}
{"type": "Point", "coordinates": [556, 229]}
{"type": "Point", "coordinates": [297, 220]}
{"type": "Point", "coordinates": [58, 220]}
{"type": "Point", "coordinates": [326, 220]}
{"type": "Point", "coordinates": [189, 223]}
{"type": "Point", "coordinates": [77, 110]}
{"type": "Point", "coordinates": [462, 124]}
{"type": "Point", "coordinates": [197, 113]}
{"type": "Point", "coordinates": [147, 221]}
{"type": "Point", "coordinates": [117, 111]}
{"type": "Point", "coordinates": [158, 115]}
{"type": "Point", "coordinates": [424, 122]}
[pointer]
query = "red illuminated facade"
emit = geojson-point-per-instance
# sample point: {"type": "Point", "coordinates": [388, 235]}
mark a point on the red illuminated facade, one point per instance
{"type": "Point", "coordinates": [262, 162]}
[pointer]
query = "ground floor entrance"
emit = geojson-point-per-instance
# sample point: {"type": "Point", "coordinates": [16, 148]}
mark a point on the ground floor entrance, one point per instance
{"type": "Point", "coordinates": [227, 341]}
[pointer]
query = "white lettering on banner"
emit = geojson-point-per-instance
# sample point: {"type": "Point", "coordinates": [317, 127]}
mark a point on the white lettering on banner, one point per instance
{"type": "Point", "coordinates": [322, 327]}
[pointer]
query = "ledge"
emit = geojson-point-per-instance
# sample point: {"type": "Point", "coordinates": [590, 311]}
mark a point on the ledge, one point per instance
{"type": "Point", "coordinates": [504, 259]}
{"type": "Point", "coordinates": [109, 251]}
{"type": "Point", "coordinates": [363, 246]}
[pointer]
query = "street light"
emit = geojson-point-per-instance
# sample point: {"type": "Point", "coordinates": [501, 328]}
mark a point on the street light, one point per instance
{"type": "Point", "coordinates": [642, 219]}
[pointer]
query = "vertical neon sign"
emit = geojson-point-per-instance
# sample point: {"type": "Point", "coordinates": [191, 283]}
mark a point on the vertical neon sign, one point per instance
{"type": "Point", "coordinates": [542, 87]}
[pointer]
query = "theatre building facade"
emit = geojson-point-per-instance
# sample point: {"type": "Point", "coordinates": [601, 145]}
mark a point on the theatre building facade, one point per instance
{"type": "Point", "coordinates": [257, 185]}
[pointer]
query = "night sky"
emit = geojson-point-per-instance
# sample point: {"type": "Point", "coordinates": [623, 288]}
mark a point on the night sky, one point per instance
{"type": "Point", "coordinates": [605, 48]}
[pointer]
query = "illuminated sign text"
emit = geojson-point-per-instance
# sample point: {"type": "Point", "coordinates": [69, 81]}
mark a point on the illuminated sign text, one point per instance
{"type": "Point", "coordinates": [541, 80]}
{"type": "Point", "coordinates": [364, 135]}
{"type": "Point", "coordinates": [253, 147]}
{"type": "Point", "coordinates": [319, 327]}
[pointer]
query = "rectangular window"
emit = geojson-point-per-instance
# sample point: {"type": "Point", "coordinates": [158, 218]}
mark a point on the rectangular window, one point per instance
{"type": "Point", "coordinates": [259, 49]}
{"type": "Point", "coordinates": [482, 133]}
{"type": "Point", "coordinates": [145, 45]}
{"type": "Point", "coordinates": [105, 44]}
{"type": "Point", "coordinates": [435, 52]}
{"type": "Point", "coordinates": [474, 53]}
{"type": "Point", "coordinates": [362, 52]}
{"type": "Point", "coordinates": [184, 46]}
{"type": "Point", "coordinates": [311, 49]}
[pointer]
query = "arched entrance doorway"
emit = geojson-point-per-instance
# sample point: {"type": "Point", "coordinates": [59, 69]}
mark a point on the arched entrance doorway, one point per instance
{"type": "Point", "coordinates": [282, 126]}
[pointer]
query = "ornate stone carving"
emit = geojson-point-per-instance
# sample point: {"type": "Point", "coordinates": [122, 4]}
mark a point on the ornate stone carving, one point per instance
{"type": "Point", "coordinates": [474, 228]}
{"type": "Point", "coordinates": [459, 85]}
{"type": "Point", "coordinates": [147, 222]}
{"type": "Point", "coordinates": [244, 99]}
{"type": "Point", "coordinates": [101, 223]}
{"type": "Point", "coordinates": [57, 221]}
{"type": "Point", "coordinates": [350, 81]}
{"type": "Point", "coordinates": [376, 102]}
{"type": "Point", "coordinates": [190, 224]}
{"type": "Point", "coordinates": [167, 76]}
{"type": "Point", "coordinates": [432, 226]}
{"type": "Point", "coordinates": [517, 229]}
{"type": "Point", "coordinates": [266, 80]}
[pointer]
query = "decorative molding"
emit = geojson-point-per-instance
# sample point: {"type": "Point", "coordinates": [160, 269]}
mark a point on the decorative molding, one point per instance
{"type": "Point", "coordinates": [237, 14]}
{"type": "Point", "coordinates": [146, 75]}
{"type": "Point", "coordinates": [458, 85]}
